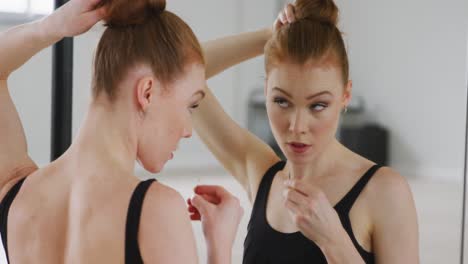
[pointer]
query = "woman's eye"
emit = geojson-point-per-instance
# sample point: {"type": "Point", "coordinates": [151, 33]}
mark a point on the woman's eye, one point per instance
{"type": "Point", "coordinates": [318, 107]}
{"type": "Point", "coordinates": [281, 102]}
{"type": "Point", "coordinates": [193, 107]}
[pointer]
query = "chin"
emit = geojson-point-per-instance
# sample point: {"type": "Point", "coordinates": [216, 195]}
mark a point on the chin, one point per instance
{"type": "Point", "coordinates": [299, 158]}
{"type": "Point", "coordinates": [155, 167]}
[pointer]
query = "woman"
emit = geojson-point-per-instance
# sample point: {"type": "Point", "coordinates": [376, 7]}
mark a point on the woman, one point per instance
{"type": "Point", "coordinates": [87, 207]}
{"type": "Point", "coordinates": [325, 203]}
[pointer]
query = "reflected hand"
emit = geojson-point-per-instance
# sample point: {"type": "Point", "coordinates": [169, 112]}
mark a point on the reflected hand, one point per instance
{"type": "Point", "coordinates": [74, 18]}
{"type": "Point", "coordinates": [286, 16]}
{"type": "Point", "coordinates": [312, 213]}
{"type": "Point", "coordinates": [220, 213]}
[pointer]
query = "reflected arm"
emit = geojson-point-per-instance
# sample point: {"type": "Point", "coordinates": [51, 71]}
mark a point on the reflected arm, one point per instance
{"type": "Point", "coordinates": [243, 155]}
{"type": "Point", "coordinates": [226, 52]}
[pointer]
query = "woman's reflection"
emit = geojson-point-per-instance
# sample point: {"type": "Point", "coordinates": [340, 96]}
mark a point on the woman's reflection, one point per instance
{"type": "Point", "coordinates": [324, 203]}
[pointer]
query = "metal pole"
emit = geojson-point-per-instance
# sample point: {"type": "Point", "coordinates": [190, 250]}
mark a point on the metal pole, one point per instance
{"type": "Point", "coordinates": [465, 172]}
{"type": "Point", "coordinates": [62, 94]}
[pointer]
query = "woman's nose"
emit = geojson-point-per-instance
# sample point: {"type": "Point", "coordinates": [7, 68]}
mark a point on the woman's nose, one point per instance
{"type": "Point", "coordinates": [298, 122]}
{"type": "Point", "coordinates": [188, 129]}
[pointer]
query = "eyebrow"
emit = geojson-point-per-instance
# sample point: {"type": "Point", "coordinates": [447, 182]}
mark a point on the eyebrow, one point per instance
{"type": "Point", "coordinates": [308, 97]}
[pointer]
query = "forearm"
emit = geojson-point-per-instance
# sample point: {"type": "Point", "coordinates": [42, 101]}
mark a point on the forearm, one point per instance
{"type": "Point", "coordinates": [19, 44]}
{"type": "Point", "coordinates": [226, 52]}
{"type": "Point", "coordinates": [342, 251]}
{"type": "Point", "coordinates": [219, 257]}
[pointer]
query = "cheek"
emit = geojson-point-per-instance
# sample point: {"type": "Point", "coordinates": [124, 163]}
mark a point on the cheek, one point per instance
{"type": "Point", "coordinates": [172, 128]}
{"type": "Point", "coordinates": [175, 122]}
{"type": "Point", "coordinates": [278, 121]}
{"type": "Point", "coordinates": [326, 124]}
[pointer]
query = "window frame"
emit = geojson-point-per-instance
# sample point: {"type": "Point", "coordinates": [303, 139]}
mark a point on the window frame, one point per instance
{"type": "Point", "coordinates": [13, 18]}
{"type": "Point", "coordinates": [10, 18]}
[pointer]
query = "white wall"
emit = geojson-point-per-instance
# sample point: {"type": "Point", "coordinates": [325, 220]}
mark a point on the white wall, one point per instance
{"type": "Point", "coordinates": [408, 59]}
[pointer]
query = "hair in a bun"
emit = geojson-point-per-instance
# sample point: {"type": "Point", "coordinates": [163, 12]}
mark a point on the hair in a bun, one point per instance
{"type": "Point", "coordinates": [129, 13]}
{"type": "Point", "coordinates": [142, 32]}
{"type": "Point", "coordinates": [313, 37]}
{"type": "Point", "coordinates": [324, 11]}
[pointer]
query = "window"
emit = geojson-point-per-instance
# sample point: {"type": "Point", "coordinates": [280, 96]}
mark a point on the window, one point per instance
{"type": "Point", "coordinates": [27, 6]}
{"type": "Point", "coordinates": [18, 11]}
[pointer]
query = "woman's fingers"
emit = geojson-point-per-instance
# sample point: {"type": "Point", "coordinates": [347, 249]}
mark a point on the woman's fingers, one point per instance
{"type": "Point", "coordinates": [292, 206]}
{"type": "Point", "coordinates": [282, 18]}
{"type": "Point", "coordinates": [286, 16]}
{"type": "Point", "coordinates": [201, 204]}
{"type": "Point", "coordinates": [90, 5]}
{"type": "Point", "coordinates": [294, 196]}
{"type": "Point", "coordinates": [94, 16]}
{"type": "Point", "coordinates": [289, 13]}
{"type": "Point", "coordinates": [216, 194]}
{"type": "Point", "coordinates": [195, 217]}
{"type": "Point", "coordinates": [303, 187]}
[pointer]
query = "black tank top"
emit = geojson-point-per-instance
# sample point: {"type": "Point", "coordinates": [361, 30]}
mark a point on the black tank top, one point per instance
{"type": "Point", "coordinates": [264, 245]}
{"type": "Point", "coordinates": [132, 249]}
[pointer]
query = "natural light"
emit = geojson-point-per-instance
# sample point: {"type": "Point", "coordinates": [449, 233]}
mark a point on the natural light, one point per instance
{"type": "Point", "coordinates": [27, 6]}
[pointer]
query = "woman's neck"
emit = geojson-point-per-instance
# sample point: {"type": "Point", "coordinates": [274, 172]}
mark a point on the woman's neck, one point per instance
{"type": "Point", "coordinates": [321, 166]}
{"type": "Point", "coordinates": [107, 141]}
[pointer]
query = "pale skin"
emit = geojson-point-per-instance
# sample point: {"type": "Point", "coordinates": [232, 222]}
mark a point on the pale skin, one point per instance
{"type": "Point", "coordinates": [74, 209]}
{"type": "Point", "coordinates": [304, 103]}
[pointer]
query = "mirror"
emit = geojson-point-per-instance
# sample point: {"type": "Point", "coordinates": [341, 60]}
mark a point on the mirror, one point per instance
{"type": "Point", "coordinates": [408, 66]}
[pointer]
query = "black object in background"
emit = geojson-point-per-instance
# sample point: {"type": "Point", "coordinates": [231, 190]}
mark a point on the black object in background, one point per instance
{"type": "Point", "coordinates": [62, 94]}
{"type": "Point", "coordinates": [369, 141]}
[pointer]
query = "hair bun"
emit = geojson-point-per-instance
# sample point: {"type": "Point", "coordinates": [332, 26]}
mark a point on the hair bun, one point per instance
{"type": "Point", "coordinates": [324, 11]}
{"type": "Point", "coordinates": [135, 12]}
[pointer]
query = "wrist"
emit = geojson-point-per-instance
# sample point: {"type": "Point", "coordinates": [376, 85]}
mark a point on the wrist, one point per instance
{"type": "Point", "coordinates": [219, 256]}
{"type": "Point", "coordinates": [47, 30]}
{"type": "Point", "coordinates": [341, 250]}
{"type": "Point", "coordinates": [267, 33]}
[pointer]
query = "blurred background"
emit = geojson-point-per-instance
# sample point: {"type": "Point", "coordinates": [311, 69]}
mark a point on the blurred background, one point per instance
{"type": "Point", "coordinates": [409, 69]}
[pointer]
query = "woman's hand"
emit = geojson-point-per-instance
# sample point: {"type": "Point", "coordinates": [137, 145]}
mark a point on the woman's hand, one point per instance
{"type": "Point", "coordinates": [286, 16]}
{"type": "Point", "coordinates": [74, 18]}
{"type": "Point", "coordinates": [220, 213]}
{"type": "Point", "coordinates": [313, 214]}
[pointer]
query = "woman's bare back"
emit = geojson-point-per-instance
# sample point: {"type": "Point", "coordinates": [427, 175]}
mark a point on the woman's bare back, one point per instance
{"type": "Point", "coordinates": [65, 216]}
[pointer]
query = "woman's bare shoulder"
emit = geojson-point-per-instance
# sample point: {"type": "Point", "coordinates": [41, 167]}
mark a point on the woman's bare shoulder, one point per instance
{"type": "Point", "coordinates": [390, 195]}
{"type": "Point", "coordinates": [166, 233]}
{"type": "Point", "coordinates": [387, 182]}
{"type": "Point", "coordinates": [161, 196]}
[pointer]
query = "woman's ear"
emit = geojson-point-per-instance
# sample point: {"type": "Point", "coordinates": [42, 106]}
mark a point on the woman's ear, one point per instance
{"type": "Point", "coordinates": [145, 92]}
{"type": "Point", "coordinates": [347, 95]}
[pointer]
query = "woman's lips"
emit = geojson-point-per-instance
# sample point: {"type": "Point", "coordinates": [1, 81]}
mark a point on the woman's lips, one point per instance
{"type": "Point", "coordinates": [172, 156]}
{"type": "Point", "coordinates": [298, 148]}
